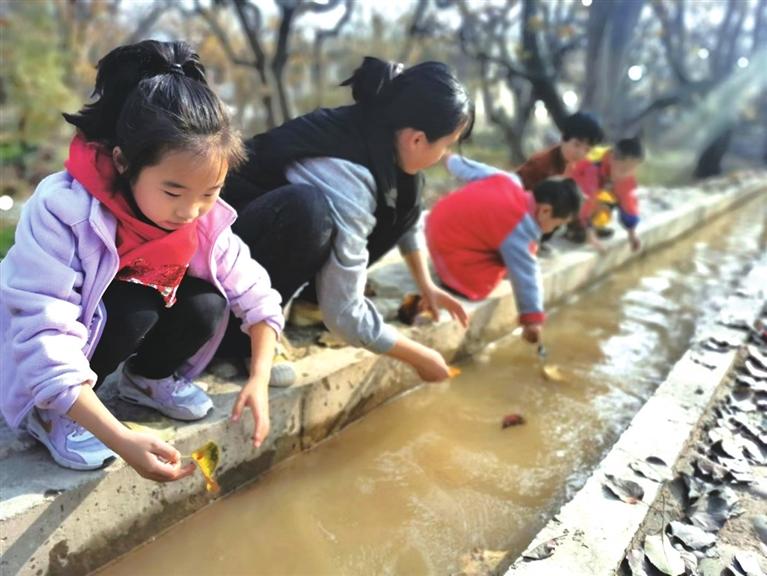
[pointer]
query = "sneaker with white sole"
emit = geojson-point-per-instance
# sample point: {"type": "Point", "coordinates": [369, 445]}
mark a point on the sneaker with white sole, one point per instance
{"type": "Point", "coordinates": [283, 372]}
{"type": "Point", "coordinates": [174, 396]}
{"type": "Point", "coordinates": [70, 445]}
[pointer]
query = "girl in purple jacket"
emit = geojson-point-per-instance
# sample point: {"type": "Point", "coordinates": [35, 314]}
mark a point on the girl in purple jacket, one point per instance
{"type": "Point", "coordinates": [128, 255]}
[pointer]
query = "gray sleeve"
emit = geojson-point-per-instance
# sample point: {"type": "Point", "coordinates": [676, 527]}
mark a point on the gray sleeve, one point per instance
{"type": "Point", "coordinates": [350, 191]}
{"type": "Point", "coordinates": [412, 240]}
{"type": "Point", "coordinates": [469, 170]}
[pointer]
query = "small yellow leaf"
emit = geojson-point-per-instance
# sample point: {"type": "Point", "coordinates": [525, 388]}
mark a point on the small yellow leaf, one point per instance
{"type": "Point", "coordinates": [552, 372]}
{"type": "Point", "coordinates": [206, 459]}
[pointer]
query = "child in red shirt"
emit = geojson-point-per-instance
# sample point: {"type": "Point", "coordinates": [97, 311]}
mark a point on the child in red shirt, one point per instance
{"type": "Point", "coordinates": [607, 178]}
{"type": "Point", "coordinates": [490, 229]}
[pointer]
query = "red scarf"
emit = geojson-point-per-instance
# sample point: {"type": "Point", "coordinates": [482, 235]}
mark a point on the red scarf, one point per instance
{"type": "Point", "coordinates": [148, 255]}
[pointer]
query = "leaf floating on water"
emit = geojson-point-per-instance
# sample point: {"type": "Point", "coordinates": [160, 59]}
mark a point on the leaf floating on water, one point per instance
{"type": "Point", "coordinates": [552, 373]}
{"type": "Point", "coordinates": [691, 536]}
{"type": "Point", "coordinates": [663, 555]}
{"type": "Point", "coordinates": [453, 371]}
{"type": "Point", "coordinates": [512, 420]}
{"type": "Point", "coordinates": [653, 468]}
{"type": "Point", "coordinates": [207, 458]}
{"type": "Point", "coordinates": [626, 490]}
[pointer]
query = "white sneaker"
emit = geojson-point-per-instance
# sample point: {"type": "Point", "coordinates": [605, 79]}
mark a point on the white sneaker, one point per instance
{"type": "Point", "coordinates": [174, 396]}
{"type": "Point", "coordinates": [283, 372]}
{"type": "Point", "coordinates": [70, 445]}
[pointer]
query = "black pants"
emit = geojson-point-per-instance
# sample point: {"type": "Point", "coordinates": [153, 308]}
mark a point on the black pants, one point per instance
{"type": "Point", "coordinates": [290, 232]}
{"type": "Point", "coordinates": [162, 338]}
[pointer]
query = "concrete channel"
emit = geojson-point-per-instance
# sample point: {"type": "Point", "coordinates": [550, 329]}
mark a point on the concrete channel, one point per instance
{"type": "Point", "coordinates": [592, 533]}
{"type": "Point", "coordinates": [61, 522]}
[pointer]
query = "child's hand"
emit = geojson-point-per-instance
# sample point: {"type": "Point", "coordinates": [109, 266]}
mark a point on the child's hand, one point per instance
{"type": "Point", "coordinates": [254, 395]}
{"type": "Point", "coordinates": [592, 239]}
{"type": "Point", "coordinates": [431, 366]}
{"type": "Point", "coordinates": [152, 458]}
{"type": "Point", "coordinates": [531, 333]}
{"type": "Point", "coordinates": [435, 298]}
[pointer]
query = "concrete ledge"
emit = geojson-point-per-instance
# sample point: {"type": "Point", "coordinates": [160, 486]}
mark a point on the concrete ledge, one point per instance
{"type": "Point", "coordinates": [594, 530]}
{"type": "Point", "coordinates": [64, 522]}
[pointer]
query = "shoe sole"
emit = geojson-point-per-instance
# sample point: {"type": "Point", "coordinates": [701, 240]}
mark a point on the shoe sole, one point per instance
{"type": "Point", "coordinates": [43, 439]}
{"type": "Point", "coordinates": [282, 376]}
{"type": "Point", "coordinates": [143, 400]}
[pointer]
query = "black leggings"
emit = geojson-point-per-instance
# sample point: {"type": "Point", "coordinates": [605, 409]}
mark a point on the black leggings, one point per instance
{"type": "Point", "coordinates": [290, 232]}
{"type": "Point", "coordinates": [162, 338]}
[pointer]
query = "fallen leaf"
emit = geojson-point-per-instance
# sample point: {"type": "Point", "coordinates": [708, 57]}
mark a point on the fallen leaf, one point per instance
{"type": "Point", "coordinates": [653, 468]}
{"type": "Point", "coordinates": [663, 555]}
{"type": "Point", "coordinates": [636, 563]}
{"type": "Point", "coordinates": [626, 490]}
{"type": "Point", "coordinates": [729, 447]}
{"type": "Point", "coordinates": [712, 510]}
{"type": "Point", "coordinates": [543, 550]}
{"type": "Point", "coordinates": [207, 458]}
{"type": "Point", "coordinates": [760, 527]}
{"type": "Point", "coordinates": [757, 355]}
{"type": "Point", "coordinates": [754, 370]}
{"type": "Point", "coordinates": [512, 420]}
{"type": "Point", "coordinates": [691, 536]}
{"type": "Point", "coordinates": [748, 564]}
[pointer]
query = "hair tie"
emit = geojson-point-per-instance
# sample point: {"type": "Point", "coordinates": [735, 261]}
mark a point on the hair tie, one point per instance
{"type": "Point", "coordinates": [175, 69]}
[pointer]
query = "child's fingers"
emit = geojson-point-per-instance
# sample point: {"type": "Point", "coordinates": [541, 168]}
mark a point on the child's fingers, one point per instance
{"type": "Point", "coordinates": [237, 408]}
{"type": "Point", "coordinates": [166, 452]}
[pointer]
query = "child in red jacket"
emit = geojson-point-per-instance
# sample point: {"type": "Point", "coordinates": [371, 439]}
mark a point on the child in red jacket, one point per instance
{"type": "Point", "coordinates": [607, 178]}
{"type": "Point", "coordinates": [490, 228]}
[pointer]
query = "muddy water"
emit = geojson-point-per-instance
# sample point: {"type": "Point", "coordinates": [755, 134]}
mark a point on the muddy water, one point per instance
{"type": "Point", "coordinates": [429, 476]}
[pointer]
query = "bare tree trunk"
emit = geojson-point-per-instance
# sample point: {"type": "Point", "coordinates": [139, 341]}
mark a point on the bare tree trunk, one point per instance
{"type": "Point", "coordinates": [318, 57]}
{"type": "Point", "coordinates": [544, 87]}
{"type": "Point", "coordinates": [414, 30]}
{"type": "Point", "coordinates": [281, 59]}
{"type": "Point", "coordinates": [260, 61]}
{"type": "Point", "coordinates": [710, 161]}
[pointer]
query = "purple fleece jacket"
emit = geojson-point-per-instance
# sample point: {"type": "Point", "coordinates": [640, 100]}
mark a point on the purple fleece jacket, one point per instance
{"type": "Point", "coordinates": [53, 279]}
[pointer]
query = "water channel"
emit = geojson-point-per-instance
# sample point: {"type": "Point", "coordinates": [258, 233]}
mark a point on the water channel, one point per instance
{"type": "Point", "coordinates": [422, 480]}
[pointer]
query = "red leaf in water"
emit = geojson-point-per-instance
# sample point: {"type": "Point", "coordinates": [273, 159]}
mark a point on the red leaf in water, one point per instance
{"type": "Point", "coordinates": [512, 420]}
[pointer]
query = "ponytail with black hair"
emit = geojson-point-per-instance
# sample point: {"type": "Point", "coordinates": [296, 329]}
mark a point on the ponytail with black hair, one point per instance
{"type": "Point", "coordinates": [151, 98]}
{"type": "Point", "coordinates": [426, 97]}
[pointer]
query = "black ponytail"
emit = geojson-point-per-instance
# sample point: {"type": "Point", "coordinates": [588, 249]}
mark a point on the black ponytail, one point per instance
{"type": "Point", "coordinates": [426, 97]}
{"type": "Point", "coordinates": [151, 98]}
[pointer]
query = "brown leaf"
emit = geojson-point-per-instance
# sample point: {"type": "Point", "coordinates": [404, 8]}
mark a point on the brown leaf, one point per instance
{"type": "Point", "coordinates": [626, 490]}
{"type": "Point", "coordinates": [512, 420]}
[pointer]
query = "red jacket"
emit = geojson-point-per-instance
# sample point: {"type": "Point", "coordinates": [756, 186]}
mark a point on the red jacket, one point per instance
{"type": "Point", "coordinates": [482, 232]}
{"type": "Point", "coordinates": [592, 175]}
